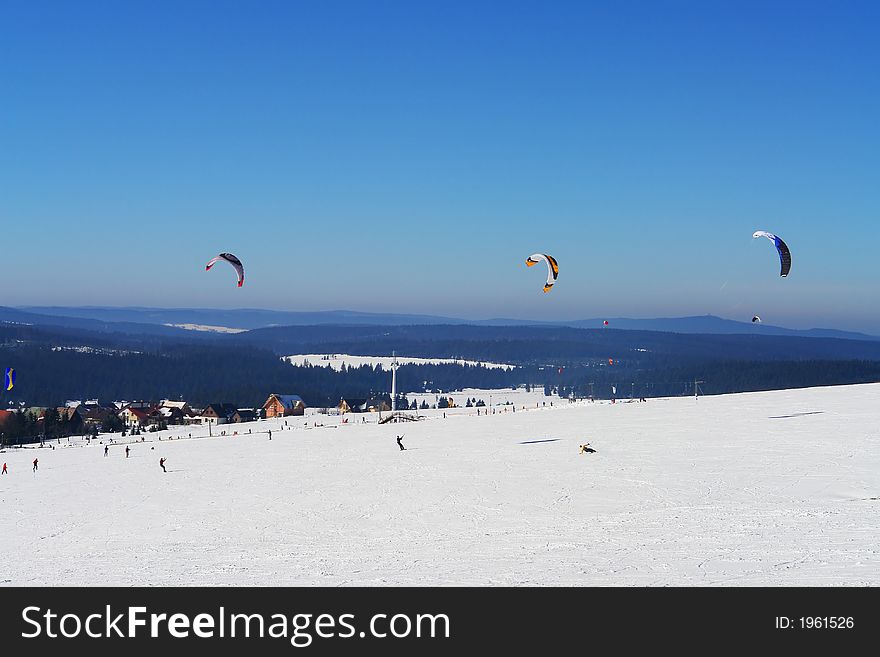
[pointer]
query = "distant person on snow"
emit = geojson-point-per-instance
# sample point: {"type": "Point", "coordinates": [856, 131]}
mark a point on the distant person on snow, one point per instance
{"type": "Point", "coordinates": [4, 469]}
{"type": "Point", "coordinates": [586, 449]}
{"type": "Point", "coordinates": [106, 449]}
{"type": "Point", "coordinates": [400, 444]}
{"type": "Point", "coordinates": [35, 464]}
{"type": "Point", "coordinates": [162, 464]}
{"type": "Point", "coordinates": [126, 451]}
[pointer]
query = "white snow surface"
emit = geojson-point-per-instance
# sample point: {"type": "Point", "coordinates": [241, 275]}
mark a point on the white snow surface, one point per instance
{"type": "Point", "coordinates": [774, 488]}
{"type": "Point", "coordinates": [209, 328]}
{"type": "Point", "coordinates": [337, 360]}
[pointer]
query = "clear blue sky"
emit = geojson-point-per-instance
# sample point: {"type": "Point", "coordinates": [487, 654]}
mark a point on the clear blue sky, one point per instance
{"type": "Point", "coordinates": [408, 156]}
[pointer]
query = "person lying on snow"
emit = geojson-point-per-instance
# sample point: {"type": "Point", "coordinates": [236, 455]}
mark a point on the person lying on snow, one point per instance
{"type": "Point", "coordinates": [585, 449]}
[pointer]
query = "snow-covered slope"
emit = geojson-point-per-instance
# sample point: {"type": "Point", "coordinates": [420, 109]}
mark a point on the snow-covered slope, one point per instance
{"type": "Point", "coordinates": [774, 488]}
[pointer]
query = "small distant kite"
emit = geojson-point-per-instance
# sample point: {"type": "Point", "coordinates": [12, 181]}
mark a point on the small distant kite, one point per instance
{"type": "Point", "coordinates": [552, 267]}
{"type": "Point", "coordinates": [756, 320]}
{"type": "Point", "coordinates": [10, 378]}
{"type": "Point", "coordinates": [784, 253]}
{"type": "Point", "coordinates": [232, 260]}
{"type": "Point", "coordinates": [605, 323]}
{"type": "Point", "coordinates": [611, 361]}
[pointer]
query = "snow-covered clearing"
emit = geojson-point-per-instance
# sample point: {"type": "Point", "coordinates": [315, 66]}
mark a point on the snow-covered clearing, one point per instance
{"type": "Point", "coordinates": [208, 328]}
{"type": "Point", "coordinates": [774, 488]}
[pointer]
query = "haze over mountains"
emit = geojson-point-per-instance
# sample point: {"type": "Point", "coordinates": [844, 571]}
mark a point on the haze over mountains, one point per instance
{"type": "Point", "coordinates": [166, 320]}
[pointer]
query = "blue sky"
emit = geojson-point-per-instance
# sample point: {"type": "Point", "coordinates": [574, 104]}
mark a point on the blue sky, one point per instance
{"type": "Point", "coordinates": [408, 156]}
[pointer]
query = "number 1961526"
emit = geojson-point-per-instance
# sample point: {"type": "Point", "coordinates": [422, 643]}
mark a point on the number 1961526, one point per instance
{"type": "Point", "coordinates": [815, 622]}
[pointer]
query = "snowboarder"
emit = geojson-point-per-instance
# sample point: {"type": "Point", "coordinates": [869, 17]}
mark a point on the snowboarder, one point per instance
{"type": "Point", "coordinates": [162, 464]}
{"type": "Point", "coordinates": [400, 444]}
{"type": "Point", "coordinates": [586, 449]}
{"type": "Point", "coordinates": [106, 449]}
{"type": "Point", "coordinates": [4, 469]}
{"type": "Point", "coordinates": [35, 464]}
{"type": "Point", "coordinates": [126, 451]}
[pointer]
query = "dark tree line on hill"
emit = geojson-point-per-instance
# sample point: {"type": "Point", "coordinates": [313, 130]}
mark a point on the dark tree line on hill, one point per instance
{"type": "Point", "coordinates": [56, 365]}
{"type": "Point", "coordinates": [207, 374]}
{"type": "Point", "coordinates": [540, 346]}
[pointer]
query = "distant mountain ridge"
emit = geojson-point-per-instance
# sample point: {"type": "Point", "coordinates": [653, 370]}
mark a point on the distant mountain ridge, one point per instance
{"type": "Point", "coordinates": [139, 319]}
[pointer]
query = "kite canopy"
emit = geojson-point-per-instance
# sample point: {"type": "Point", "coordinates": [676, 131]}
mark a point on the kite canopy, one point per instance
{"type": "Point", "coordinates": [10, 378]}
{"type": "Point", "coordinates": [552, 267]}
{"type": "Point", "coordinates": [781, 247]}
{"type": "Point", "coordinates": [232, 260]}
{"type": "Point", "coordinates": [756, 320]}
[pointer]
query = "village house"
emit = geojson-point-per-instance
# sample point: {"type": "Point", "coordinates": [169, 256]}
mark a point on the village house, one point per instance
{"type": "Point", "coordinates": [351, 405]}
{"type": "Point", "coordinates": [379, 404]}
{"type": "Point", "coordinates": [218, 413]}
{"type": "Point", "coordinates": [134, 417]}
{"type": "Point", "coordinates": [244, 415]}
{"type": "Point", "coordinates": [284, 405]}
{"type": "Point", "coordinates": [72, 420]}
{"type": "Point", "coordinates": [182, 406]}
{"type": "Point", "coordinates": [141, 404]}
{"type": "Point", "coordinates": [172, 415]}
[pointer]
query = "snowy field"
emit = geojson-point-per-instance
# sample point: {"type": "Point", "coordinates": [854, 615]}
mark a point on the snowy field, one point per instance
{"type": "Point", "coordinates": [337, 360]}
{"type": "Point", "coordinates": [208, 328]}
{"type": "Point", "coordinates": [776, 488]}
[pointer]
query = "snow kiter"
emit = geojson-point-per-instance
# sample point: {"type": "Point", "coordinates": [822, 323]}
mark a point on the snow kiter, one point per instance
{"type": "Point", "coordinates": [232, 260]}
{"type": "Point", "coordinates": [781, 247]}
{"type": "Point", "coordinates": [552, 267]}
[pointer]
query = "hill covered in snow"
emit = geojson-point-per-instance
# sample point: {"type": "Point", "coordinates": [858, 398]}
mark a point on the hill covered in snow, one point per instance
{"type": "Point", "coordinates": [773, 488]}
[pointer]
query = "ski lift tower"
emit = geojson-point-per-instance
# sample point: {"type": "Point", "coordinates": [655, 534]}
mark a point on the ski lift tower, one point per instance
{"type": "Point", "coordinates": [395, 415]}
{"type": "Point", "coordinates": [394, 366]}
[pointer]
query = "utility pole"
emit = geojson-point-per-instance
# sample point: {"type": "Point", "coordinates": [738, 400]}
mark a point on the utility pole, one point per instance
{"type": "Point", "coordinates": [632, 390]}
{"type": "Point", "coordinates": [591, 391]}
